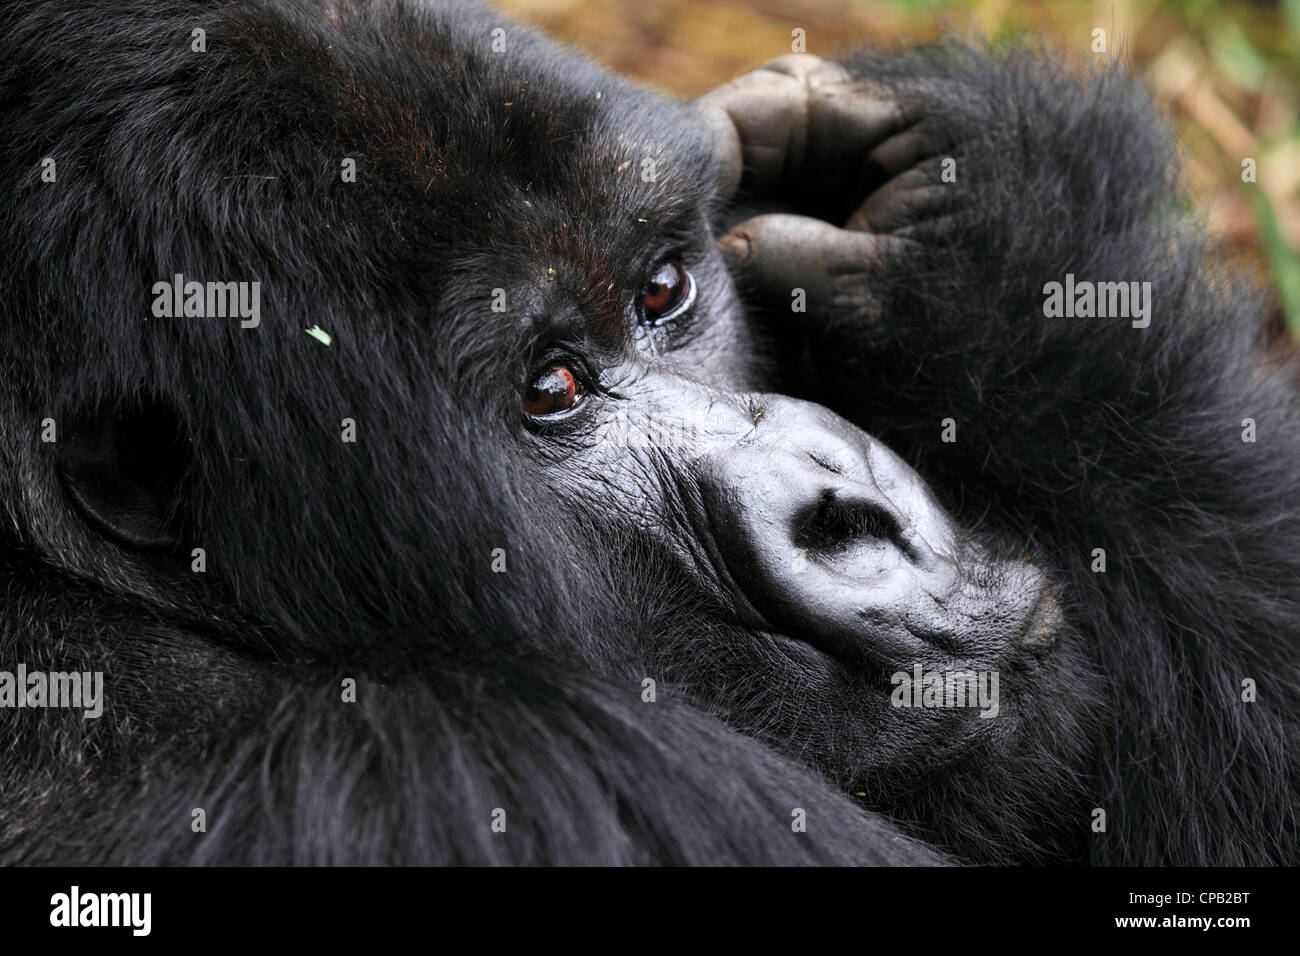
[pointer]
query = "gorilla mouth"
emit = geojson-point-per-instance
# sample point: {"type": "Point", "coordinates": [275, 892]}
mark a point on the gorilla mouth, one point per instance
{"type": "Point", "coordinates": [1020, 613]}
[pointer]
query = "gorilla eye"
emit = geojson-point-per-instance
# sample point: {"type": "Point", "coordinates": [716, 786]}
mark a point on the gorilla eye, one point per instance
{"type": "Point", "coordinates": [555, 390]}
{"type": "Point", "coordinates": [670, 290]}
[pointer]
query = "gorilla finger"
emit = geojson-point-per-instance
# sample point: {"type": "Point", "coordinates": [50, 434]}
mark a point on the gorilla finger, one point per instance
{"type": "Point", "coordinates": [908, 199]}
{"type": "Point", "coordinates": [725, 146]}
{"type": "Point", "coordinates": [910, 146]}
{"type": "Point", "coordinates": [775, 255]}
{"type": "Point", "coordinates": [847, 120]}
{"type": "Point", "coordinates": [767, 112]}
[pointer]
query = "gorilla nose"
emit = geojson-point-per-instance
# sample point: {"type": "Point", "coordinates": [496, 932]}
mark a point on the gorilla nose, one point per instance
{"type": "Point", "coordinates": [832, 538]}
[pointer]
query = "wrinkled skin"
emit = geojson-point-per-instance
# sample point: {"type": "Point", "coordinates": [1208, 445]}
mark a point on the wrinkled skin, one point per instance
{"type": "Point", "coordinates": [824, 558]}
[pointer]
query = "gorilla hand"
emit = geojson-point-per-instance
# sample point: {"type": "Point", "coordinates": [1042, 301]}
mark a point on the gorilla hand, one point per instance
{"type": "Point", "coordinates": [917, 209]}
{"type": "Point", "coordinates": [928, 321]}
{"type": "Point", "coordinates": [857, 177]}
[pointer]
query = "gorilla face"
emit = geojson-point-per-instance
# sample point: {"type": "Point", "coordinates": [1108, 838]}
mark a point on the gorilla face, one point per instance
{"type": "Point", "coordinates": [827, 564]}
{"type": "Point", "coordinates": [800, 559]}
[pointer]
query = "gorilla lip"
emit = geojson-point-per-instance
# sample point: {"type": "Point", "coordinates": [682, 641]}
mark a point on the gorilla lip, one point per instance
{"type": "Point", "coordinates": [875, 637]}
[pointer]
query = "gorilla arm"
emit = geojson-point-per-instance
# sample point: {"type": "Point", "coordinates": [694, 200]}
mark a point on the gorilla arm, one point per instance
{"type": "Point", "coordinates": [507, 762]}
{"type": "Point", "coordinates": [1074, 434]}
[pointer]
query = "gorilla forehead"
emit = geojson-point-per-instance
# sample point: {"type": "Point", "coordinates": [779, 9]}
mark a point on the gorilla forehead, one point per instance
{"type": "Point", "coordinates": [471, 163]}
{"type": "Point", "coordinates": [542, 153]}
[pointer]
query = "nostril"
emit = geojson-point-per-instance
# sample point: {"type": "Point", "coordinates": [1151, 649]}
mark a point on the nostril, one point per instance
{"type": "Point", "coordinates": [834, 523]}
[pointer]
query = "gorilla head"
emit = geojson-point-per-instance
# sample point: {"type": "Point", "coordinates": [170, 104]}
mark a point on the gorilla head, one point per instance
{"type": "Point", "coordinates": [532, 421]}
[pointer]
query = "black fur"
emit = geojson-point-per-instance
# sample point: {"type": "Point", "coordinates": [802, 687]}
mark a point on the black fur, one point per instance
{"type": "Point", "coordinates": [522, 690]}
{"type": "Point", "coordinates": [1087, 433]}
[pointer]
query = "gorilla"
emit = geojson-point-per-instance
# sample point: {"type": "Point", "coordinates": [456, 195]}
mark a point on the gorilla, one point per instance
{"type": "Point", "coordinates": [444, 451]}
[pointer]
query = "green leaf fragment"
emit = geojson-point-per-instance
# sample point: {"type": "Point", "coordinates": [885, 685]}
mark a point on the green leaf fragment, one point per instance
{"type": "Point", "coordinates": [319, 334]}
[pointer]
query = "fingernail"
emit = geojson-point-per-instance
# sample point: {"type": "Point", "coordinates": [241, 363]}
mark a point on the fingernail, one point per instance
{"type": "Point", "coordinates": [736, 248]}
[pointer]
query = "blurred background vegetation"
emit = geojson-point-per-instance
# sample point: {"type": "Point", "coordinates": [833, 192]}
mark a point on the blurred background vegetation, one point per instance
{"type": "Point", "coordinates": [1228, 72]}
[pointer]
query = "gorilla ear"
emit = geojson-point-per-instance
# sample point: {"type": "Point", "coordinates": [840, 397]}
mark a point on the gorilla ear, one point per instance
{"type": "Point", "coordinates": [122, 470]}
